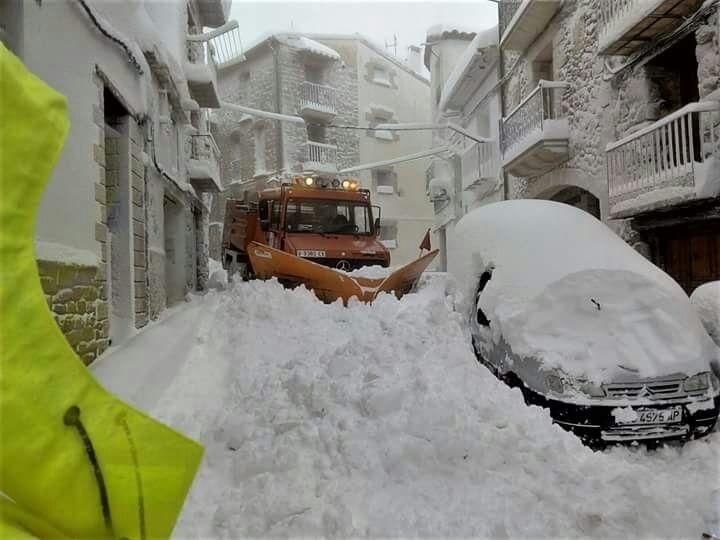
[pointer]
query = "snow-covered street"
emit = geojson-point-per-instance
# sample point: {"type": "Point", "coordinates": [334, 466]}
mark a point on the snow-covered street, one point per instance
{"type": "Point", "coordinates": [376, 420]}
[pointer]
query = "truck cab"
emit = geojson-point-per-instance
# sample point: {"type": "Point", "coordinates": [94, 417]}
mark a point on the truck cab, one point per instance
{"type": "Point", "coordinates": [324, 221]}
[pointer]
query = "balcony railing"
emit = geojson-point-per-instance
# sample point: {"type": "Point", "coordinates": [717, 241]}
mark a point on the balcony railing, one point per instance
{"type": "Point", "coordinates": [320, 156]}
{"type": "Point", "coordinates": [625, 26]}
{"type": "Point", "coordinates": [203, 166]}
{"type": "Point", "coordinates": [480, 162]}
{"type": "Point", "coordinates": [531, 115]}
{"type": "Point", "coordinates": [317, 98]}
{"type": "Point", "coordinates": [680, 152]}
{"type": "Point", "coordinates": [225, 45]}
{"type": "Point", "coordinates": [490, 163]}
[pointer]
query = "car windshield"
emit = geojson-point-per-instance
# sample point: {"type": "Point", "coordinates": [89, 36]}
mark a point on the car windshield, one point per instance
{"type": "Point", "coordinates": [328, 216]}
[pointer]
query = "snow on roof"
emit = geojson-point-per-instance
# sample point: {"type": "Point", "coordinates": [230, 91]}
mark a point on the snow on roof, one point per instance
{"type": "Point", "coordinates": [566, 290]}
{"type": "Point", "coordinates": [52, 252]}
{"type": "Point", "coordinates": [448, 30]}
{"type": "Point", "coordinates": [297, 41]}
{"type": "Point", "coordinates": [463, 66]}
{"type": "Point", "coordinates": [311, 46]}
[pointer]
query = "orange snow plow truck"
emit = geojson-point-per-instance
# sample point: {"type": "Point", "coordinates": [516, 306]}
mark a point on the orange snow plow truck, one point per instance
{"type": "Point", "coordinates": [313, 231]}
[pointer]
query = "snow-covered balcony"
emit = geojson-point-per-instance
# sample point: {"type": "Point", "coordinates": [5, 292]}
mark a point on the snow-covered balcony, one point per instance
{"type": "Point", "coordinates": [320, 157]}
{"type": "Point", "coordinates": [673, 161]}
{"type": "Point", "coordinates": [522, 22]}
{"type": "Point", "coordinates": [317, 101]}
{"type": "Point", "coordinates": [207, 51]}
{"type": "Point", "coordinates": [480, 166]}
{"type": "Point", "coordinates": [534, 136]}
{"type": "Point", "coordinates": [627, 25]}
{"type": "Point", "coordinates": [203, 169]}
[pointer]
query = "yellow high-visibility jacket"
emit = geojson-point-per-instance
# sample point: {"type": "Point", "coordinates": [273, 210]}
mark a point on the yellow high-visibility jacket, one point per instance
{"type": "Point", "coordinates": [74, 460]}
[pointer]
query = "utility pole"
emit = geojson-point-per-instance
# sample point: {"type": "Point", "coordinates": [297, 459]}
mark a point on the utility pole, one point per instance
{"type": "Point", "coordinates": [393, 44]}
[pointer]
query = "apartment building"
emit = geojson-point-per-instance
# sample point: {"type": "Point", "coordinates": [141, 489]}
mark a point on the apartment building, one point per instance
{"type": "Point", "coordinates": [342, 86]}
{"type": "Point", "coordinates": [463, 69]}
{"type": "Point", "coordinates": [612, 106]}
{"type": "Point", "coordinates": [122, 227]}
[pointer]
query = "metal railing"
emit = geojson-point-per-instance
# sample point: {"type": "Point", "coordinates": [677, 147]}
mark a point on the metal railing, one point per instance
{"type": "Point", "coordinates": [204, 148]}
{"type": "Point", "coordinates": [317, 96]}
{"type": "Point", "coordinates": [490, 162]}
{"type": "Point", "coordinates": [541, 104]}
{"type": "Point", "coordinates": [325, 154]}
{"type": "Point", "coordinates": [219, 46]}
{"type": "Point", "coordinates": [506, 11]}
{"type": "Point", "coordinates": [665, 151]}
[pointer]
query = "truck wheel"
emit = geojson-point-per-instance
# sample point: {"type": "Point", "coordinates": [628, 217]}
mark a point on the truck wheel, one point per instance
{"type": "Point", "coordinates": [243, 270]}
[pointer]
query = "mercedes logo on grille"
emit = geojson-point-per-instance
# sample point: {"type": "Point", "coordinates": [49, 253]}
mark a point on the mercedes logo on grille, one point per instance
{"type": "Point", "coordinates": [343, 265]}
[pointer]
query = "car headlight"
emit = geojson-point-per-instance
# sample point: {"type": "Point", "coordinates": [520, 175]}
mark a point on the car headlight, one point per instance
{"type": "Point", "coordinates": [701, 381]}
{"type": "Point", "coordinates": [555, 384]}
{"type": "Point", "coordinates": [714, 381]}
{"type": "Point", "coordinates": [591, 389]}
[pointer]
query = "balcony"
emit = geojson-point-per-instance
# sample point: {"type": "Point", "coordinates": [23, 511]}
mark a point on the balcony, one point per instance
{"type": "Point", "coordinates": [206, 52]}
{"type": "Point", "coordinates": [317, 101]}
{"type": "Point", "coordinates": [534, 136]}
{"type": "Point", "coordinates": [203, 171]}
{"type": "Point", "coordinates": [673, 161]}
{"type": "Point", "coordinates": [522, 22]}
{"type": "Point", "coordinates": [480, 167]}
{"type": "Point", "coordinates": [628, 25]}
{"type": "Point", "coordinates": [320, 158]}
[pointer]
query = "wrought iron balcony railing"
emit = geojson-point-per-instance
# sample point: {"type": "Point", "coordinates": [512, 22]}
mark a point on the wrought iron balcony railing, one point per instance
{"type": "Point", "coordinates": [318, 97]}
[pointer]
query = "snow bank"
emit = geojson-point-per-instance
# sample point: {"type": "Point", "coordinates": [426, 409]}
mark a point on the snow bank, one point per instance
{"type": "Point", "coordinates": [706, 301]}
{"type": "Point", "coordinates": [218, 279]}
{"type": "Point", "coordinates": [376, 421]}
{"type": "Point", "coordinates": [566, 289]}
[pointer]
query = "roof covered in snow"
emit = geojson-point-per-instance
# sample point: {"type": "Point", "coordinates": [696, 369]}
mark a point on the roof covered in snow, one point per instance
{"type": "Point", "coordinates": [567, 290]}
{"type": "Point", "coordinates": [448, 31]}
{"type": "Point", "coordinates": [306, 44]}
{"type": "Point", "coordinates": [475, 59]}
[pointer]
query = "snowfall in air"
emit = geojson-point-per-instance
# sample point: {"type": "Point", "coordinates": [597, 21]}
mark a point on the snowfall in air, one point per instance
{"type": "Point", "coordinates": [376, 420]}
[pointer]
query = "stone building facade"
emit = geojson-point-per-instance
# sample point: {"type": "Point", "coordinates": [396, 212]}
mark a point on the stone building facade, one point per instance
{"type": "Point", "coordinates": [122, 228]}
{"type": "Point", "coordinates": [328, 81]}
{"type": "Point", "coordinates": [612, 106]}
{"type": "Point", "coordinates": [463, 74]}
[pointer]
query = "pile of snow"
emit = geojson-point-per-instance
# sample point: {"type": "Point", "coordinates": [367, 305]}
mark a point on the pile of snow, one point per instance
{"type": "Point", "coordinates": [374, 272]}
{"type": "Point", "coordinates": [218, 279]}
{"type": "Point", "coordinates": [376, 421]}
{"type": "Point", "coordinates": [706, 301]}
{"type": "Point", "coordinates": [566, 289]}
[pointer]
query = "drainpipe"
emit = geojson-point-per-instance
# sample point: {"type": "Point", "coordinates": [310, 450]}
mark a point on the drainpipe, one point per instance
{"type": "Point", "coordinates": [278, 109]}
{"type": "Point", "coordinates": [501, 93]}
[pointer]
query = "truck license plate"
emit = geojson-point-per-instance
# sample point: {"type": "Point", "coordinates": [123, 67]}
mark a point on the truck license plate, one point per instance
{"type": "Point", "coordinates": [310, 253]}
{"type": "Point", "coordinates": [669, 415]}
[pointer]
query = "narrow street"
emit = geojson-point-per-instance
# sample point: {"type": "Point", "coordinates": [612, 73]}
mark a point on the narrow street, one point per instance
{"type": "Point", "coordinates": [320, 420]}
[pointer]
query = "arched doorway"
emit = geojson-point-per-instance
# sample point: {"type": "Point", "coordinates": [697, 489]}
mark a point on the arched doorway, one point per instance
{"type": "Point", "coordinates": [579, 198]}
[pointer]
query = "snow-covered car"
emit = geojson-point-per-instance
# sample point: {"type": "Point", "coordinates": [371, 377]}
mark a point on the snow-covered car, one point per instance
{"type": "Point", "coordinates": [706, 301]}
{"type": "Point", "coordinates": [564, 309]}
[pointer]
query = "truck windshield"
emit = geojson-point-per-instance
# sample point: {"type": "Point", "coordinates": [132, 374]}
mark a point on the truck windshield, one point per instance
{"type": "Point", "coordinates": [327, 216]}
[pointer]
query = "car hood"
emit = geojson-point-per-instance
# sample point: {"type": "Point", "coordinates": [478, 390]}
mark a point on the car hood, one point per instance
{"type": "Point", "coordinates": [337, 246]}
{"type": "Point", "coordinates": [603, 325]}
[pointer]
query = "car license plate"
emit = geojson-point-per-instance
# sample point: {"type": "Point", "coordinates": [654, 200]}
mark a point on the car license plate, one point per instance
{"type": "Point", "coordinates": [644, 416]}
{"type": "Point", "coordinates": [310, 253]}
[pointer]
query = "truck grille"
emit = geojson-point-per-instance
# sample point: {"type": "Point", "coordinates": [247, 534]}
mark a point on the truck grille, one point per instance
{"type": "Point", "coordinates": [354, 263]}
{"type": "Point", "coordinates": [649, 389]}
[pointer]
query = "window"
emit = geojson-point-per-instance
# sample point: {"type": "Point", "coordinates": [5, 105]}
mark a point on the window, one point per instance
{"type": "Point", "coordinates": [316, 133]}
{"type": "Point", "coordinates": [327, 216]}
{"type": "Point", "coordinates": [382, 134]}
{"type": "Point", "coordinates": [381, 75]}
{"type": "Point", "coordinates": [275, 215]}
{"type": "Point", "coordinates": [313, 74]}
{"type": "Point", "coordinates": [385, 181]}
{"type": "Point", "coordinates": [388, 234]}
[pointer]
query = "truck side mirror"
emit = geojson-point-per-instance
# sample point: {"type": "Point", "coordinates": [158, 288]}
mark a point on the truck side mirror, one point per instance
{"type": "Point", "coordinates": [377, 226]}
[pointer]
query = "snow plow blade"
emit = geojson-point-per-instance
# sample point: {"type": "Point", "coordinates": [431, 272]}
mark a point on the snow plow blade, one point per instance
{"type": "Point", "coordinates": [329, 284]}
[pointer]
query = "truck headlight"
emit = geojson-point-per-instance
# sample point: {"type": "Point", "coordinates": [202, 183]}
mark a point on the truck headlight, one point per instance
{"type": "Point", "coordinates": [697, 382]}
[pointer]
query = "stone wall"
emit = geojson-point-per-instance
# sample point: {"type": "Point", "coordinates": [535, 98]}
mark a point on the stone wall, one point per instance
{"type": "Point", "coordinates": [73, 295]}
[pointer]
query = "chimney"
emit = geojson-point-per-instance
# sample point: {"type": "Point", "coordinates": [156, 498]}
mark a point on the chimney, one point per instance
{"type": "Point", "coordinates": [414, 59]}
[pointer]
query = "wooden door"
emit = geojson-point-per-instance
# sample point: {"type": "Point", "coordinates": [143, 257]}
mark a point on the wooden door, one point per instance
{"type": "Point", "coordinates": [691, 255]}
